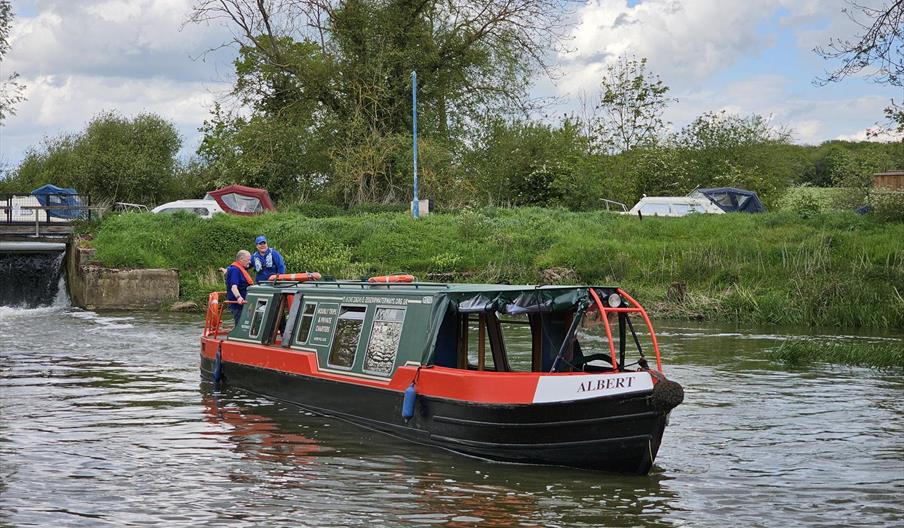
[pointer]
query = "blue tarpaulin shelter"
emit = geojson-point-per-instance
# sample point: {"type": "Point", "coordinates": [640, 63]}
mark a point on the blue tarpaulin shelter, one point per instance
{"type": "Point", "coordinates": [51, 195]}
{"type": "Point", "coordinates": [732, 200]}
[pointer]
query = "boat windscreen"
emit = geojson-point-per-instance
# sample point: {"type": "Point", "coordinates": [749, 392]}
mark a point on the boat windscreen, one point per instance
{"type": "Point", "coordinates": [515, 302]}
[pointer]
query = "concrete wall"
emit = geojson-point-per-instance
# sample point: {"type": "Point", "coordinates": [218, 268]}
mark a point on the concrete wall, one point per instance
{"type": "Point", "coordinates": [95, 288]}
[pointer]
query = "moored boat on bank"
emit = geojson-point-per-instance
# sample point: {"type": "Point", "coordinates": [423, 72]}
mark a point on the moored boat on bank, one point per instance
{"type": "Point", "coordinates": [432, 363]}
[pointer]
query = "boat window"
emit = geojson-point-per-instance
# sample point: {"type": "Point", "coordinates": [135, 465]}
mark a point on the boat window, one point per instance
{"type": "Point", "coordinates": [681, 209]}
{"type": "Point", "coordinates": [307, 320]}
{"type": "Point", "coordinates": [276, 327]}
{"type": "Point", "coordinates": [245, 204]}
{"type": "Point", "coordinates": [721, 198]}
{"type": "Point", "coordinates": [200, 211]}
{"type": "Point", "coordinates": [480, 348]}
{"type": "Point", "coordinates": [384, 340]}
{"type": "Point", "coordinates": [517, 333]}
{"type": "Point", "coordinates": [348, 333]}
{"type": "Point", "coordinates": [257, 317]}
{"type": "Point", "coordinates": [654, 209]}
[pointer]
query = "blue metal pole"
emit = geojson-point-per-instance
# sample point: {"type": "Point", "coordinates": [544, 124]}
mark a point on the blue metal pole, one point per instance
{"type": "Point", "coordinates": [416, 210]}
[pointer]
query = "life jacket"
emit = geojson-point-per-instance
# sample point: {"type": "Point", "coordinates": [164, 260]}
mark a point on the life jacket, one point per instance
{"type": "Point", "coordinates": [241, 268]}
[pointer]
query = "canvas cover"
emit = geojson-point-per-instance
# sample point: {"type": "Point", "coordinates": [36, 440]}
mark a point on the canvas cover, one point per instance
{"type": "Point", "coordinates": [51, 195]}
{"type": "Point", "coordinates": [732, 200]}
{"type": "Point", "coordinates": [510, 300]}
{"type": "Point", "coordinates": [241, 200]}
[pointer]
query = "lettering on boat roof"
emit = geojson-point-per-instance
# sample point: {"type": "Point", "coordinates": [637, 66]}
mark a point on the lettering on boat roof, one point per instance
{"type": "Point", "coordinates": [357, 299]}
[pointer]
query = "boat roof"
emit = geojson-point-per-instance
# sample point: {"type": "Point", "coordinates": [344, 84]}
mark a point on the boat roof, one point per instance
{"type": "Point", "coordinates": [451, 287]}
{"type": "Point", "coordinates": [432, 302]}
{"type": "Point", "coordinates": [504, 298]}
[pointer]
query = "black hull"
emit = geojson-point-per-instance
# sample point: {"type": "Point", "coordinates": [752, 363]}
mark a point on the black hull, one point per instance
{"type": "Point", "coordinates": [620, 434]}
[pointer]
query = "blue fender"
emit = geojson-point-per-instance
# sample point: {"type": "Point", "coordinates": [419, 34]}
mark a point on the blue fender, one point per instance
{"type": "Point", "coordinates": [408, 402]}
{"type": "Point", "coordinates": [218, 367]}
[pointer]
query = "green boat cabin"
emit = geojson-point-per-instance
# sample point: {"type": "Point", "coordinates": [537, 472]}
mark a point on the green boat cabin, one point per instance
{"type": "Point", "coordinates": [369, 330]}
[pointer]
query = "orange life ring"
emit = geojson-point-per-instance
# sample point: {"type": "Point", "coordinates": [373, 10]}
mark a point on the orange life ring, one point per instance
{"type": "Point", "coordinates": [298, 277]}
{"type": "Point", "coordinates": [392, 278]}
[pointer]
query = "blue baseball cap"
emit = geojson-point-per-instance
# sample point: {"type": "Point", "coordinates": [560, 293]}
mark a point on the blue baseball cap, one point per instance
{"type": "Point", "coordinates": [260, 239]}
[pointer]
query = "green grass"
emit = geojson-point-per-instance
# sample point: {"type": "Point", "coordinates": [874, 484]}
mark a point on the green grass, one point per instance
{"type": "Point", "coordinates": [800, 352]}
{"type": "Point", "coordinates": [831, 269]}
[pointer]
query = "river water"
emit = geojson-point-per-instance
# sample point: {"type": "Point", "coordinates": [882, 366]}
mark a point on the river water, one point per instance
{"type": "Point", "coordinates": [104, 421]}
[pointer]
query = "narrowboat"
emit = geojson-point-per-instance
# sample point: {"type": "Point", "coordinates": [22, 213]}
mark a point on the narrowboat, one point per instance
{"type": "Point", "coordinates": [559, 375]}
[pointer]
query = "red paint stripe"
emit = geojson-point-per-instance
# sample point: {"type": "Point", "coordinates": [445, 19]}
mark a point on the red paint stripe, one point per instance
{"type": "Point", "coordinates": [439, 382]}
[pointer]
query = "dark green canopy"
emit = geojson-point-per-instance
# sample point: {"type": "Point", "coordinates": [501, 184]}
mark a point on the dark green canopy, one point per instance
{"type": "Point", "coordinates": [511, 300]}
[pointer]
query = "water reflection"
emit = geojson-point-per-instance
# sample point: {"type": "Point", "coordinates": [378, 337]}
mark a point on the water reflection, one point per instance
{"type": "Point", "coordinates": [255, 435]}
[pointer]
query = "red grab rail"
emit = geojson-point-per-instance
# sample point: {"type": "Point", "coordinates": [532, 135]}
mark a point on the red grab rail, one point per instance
{"type": "Point", "coordinates": [634, 307]}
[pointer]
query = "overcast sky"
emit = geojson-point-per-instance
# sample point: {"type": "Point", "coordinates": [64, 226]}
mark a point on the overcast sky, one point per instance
{"type": "Point", "coordinates": [80, 57]}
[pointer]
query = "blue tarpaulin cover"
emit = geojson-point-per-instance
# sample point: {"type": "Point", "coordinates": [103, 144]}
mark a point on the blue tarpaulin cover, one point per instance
{"type": "Point", "coordinates": [49, 195]}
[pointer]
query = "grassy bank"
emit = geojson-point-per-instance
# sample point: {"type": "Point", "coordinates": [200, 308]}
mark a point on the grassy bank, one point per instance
{"type": "Point", "coordinates": [823, 270]}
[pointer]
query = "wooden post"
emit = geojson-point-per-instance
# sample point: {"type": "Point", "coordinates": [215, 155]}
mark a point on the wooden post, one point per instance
{"type": "Point", "coordinates": [481, 342]}
{"type": "Point", "coordinates": [463, 342]}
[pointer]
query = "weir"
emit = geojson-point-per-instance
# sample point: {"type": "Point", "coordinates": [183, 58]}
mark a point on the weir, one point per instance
{"type": "Point", "coordinates": [39, 260]}
{"type": "Point", "coordinates": [35, 231]}
{"type": "Point", "coordinates": [30, 273]}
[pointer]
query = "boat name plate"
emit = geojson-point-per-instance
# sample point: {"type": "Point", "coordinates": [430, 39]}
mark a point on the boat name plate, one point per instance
{"type": "Point", "coordinates": [576, 387]}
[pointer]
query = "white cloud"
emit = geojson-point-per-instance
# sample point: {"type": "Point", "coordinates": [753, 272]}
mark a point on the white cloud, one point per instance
{"type": "Point", "coordinates": [77, 59]}
{"type": "Point", "coordinates": [813, 115]}
{"type": "Point", "coordinates": [741, 57]}
{"type": "Point", "coordinates": [140, 38]}
{"type": "Point", "coordinates": [686, 40]}
{"type": "Point", "coordinates": [65, 104]}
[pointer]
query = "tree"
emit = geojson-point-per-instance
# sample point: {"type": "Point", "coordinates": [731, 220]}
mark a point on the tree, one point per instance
{"type": "Point", "coordinates": [526, 163]}
{"type": "Point", "coordinates": [632, 102]}
{"type": "Point", "coordinates": [878, 50]}
{"type": "Point", "coordinates": [469, 55]}
{"type": "Point", "coordinates": [10, 88]}
{"type": "Point", "coordinates": [115, 158]}
{"type": "Point", "coordinates": [340, 69]}
{"type": "Point", "coordinates": [724, 131]}
{"type": "Point", "coordinates": [275, 152]}
{"type": "Point", "coordinates": [722, 149]}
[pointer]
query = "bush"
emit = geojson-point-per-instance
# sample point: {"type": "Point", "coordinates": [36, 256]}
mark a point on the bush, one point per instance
{"type": "Point", "coordinates": [887, 205]}
{"type": "Point", "coordinates": [808, 201]}
{"type": "Point", "coordinates": [116, 158]}
{"type": "Point", "coordinates": [315, 209]}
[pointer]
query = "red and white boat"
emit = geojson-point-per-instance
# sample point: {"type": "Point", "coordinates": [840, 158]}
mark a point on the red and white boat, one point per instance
{"type": "Point", "coordinates": [543, 375]}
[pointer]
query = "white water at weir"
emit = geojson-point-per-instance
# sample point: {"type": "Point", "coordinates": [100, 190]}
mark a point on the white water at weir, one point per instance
{"type": "Point", "coordinates": [33, 279]}
{"type": "Point", "coordinates": [60, 302]}
{"type": "Point", "coordinates": [61, 299]}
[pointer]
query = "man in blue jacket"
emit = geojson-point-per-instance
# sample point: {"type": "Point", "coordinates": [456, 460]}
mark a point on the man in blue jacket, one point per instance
{"type": "Point", "coordinates": [237, 282]}
{"type": "Point", "coordinates": [266, 261]}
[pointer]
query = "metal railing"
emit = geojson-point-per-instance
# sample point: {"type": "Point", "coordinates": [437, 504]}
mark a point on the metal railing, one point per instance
{"type": "Point", "coordinates": [50, 213]}
{"type": "Point", "coordinates": [612, 205]}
